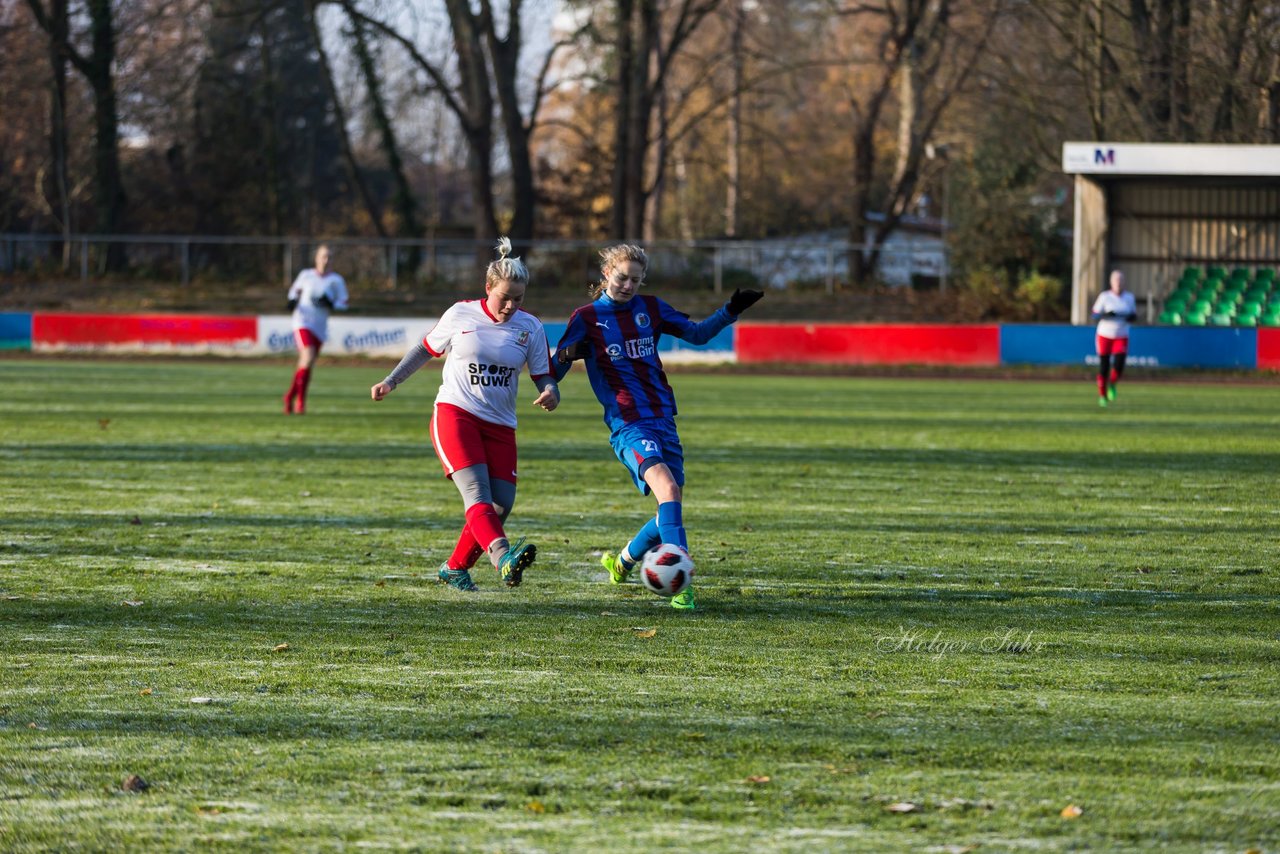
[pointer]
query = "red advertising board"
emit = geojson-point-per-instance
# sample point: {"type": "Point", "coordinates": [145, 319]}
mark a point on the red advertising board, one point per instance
{"type": "Point", "coordinates": [106, 330]}
{"type": "Point", "coordinates": [1269, 349]}
{"type": "Point", "coordinates": [868, 344]}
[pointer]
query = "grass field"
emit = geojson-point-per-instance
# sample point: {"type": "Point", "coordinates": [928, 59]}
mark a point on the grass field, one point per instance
{"type": "Point", "coordinates": [933, 615]}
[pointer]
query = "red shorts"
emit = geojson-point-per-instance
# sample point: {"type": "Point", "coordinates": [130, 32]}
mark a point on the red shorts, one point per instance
{"type": "Point", "coordinates": [305, 338]}
{"type": "Point", "coordinates": [1112, 346]}
{"type": "Point", "coordinates": [462, 440]}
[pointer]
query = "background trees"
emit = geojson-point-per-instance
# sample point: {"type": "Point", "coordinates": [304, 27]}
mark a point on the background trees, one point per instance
{"type": "Point", "coordinates": [633, 118]}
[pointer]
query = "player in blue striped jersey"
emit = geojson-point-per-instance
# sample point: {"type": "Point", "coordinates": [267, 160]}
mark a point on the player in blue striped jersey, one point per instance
{"type": "Point", "coordinates": [617, 335]}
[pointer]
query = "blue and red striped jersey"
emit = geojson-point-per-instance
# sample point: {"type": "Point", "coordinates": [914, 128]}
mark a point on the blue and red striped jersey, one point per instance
{"type": "Point", "coordinates": [625, 371]}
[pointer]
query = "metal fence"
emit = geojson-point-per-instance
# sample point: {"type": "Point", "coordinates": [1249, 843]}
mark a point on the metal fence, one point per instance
{"type": "Point", "coordinates": [800, 263]}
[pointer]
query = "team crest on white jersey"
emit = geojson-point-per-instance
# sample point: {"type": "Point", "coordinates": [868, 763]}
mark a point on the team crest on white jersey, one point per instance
{"type": "Point", "coordinates": [642, 320]}
{"type": "Point", "coordinates": [523, 337]}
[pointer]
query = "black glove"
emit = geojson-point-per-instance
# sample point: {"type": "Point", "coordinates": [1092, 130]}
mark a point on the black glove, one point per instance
{"type": "Point", "coordinates": [1131, 317]}
{"type": "Point", "coordinates": [324, 302]}
{"type": "Point", "coordinates": [1109, 314]}
{"type": "Point", "coordinates": [581, 350]}
{"type": "Point", "coordinates": [293, 303]}
{"type": "Point", "coordinates": [743, 300]}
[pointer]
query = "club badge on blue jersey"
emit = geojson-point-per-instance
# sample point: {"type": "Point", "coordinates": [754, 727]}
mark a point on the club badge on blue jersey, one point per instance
{"type": "Point", "coordinates": [642, 319]}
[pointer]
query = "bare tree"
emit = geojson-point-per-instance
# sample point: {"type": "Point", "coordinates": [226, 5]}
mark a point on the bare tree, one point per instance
{"type": "Point", "coordinates": [488, 64]}
{"type": "Point", "coordinates": [344, 137]}
{"type": "Point", "coordinates": [925, 50]}
{"type": "Point", "coordinates": [648, 36]}
{"type": "Point", "coordinates": [97, 68]}
{"type": "Point", "coordinates": [402, 199]}
{"type": "Point", "coordinates": [1168, 70]}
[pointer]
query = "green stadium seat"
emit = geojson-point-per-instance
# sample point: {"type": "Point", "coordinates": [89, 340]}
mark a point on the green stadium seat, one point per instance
{"type": "Point", "coordinates": [1265, 273]}
{"type": "Point", "coordinates": [1220, 319]}
{"type": "Point", "coordinates": [1195, 319]}
{"type": "Point", "coordinates": [1191, 272]}
{"type": "Point", "coordinates": [1217, 272]}
{"type": "Point", "coordinates": [1202, 306]}
{"type": "Point", "coordinates": [1240, 273]}
{"type": "Point", "coordinates": [1173, 318]}
{"type": "Point", "coordinates": [1247, 321]}
{"type": "Point", "coordinates": [1270, 320]}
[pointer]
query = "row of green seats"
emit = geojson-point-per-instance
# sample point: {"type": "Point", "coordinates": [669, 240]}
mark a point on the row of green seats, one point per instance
{"type": "Point", "coordinates": [1222, 302]}
{"type": "Point", "coordinates": [1194, 275]}
{"type": "Point", "coordinates": [1261, 285]}
{"type": "Point", "coordinates": [1213, 297]}
{"type": "Point", "coordinates": [1256, 315]}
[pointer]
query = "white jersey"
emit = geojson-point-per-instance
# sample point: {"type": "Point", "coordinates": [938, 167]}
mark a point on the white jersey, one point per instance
{"type": "Point", "coordinates": [309, 287]}
{"type": "Point", "coordinates": [1123, 305]}
{"type": "Point", "coordinates": [482, 372]}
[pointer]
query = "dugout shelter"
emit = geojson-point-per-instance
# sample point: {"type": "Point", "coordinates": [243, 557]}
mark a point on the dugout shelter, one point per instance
{"type": "Point", "coordinates": [1152, 210]}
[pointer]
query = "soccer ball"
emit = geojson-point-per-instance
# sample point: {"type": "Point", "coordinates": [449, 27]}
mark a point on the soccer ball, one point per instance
{"type": "Point", "coordinates": [666, 570]}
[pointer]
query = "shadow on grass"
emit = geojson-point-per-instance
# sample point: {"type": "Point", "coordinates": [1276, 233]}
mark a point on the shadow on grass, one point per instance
{"type": "Point", "coordinates": [769, 704]}
{"type": "Point", "coordinates": [535, 454]}
{"type": "Point", "coordinates": [425, 614]}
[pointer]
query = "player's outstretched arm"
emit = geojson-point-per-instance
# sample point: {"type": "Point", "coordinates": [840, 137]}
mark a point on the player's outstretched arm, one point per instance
{"type": "Point", "coordinates": [417, 356]}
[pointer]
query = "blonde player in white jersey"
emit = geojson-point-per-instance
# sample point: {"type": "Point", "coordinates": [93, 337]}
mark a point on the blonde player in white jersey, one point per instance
{"type": "Point", "coordinates": [473, 428]}
{"type": "Point", "coordinates": [1114, 310]}
{"type": "Point", "coordinates": [314, 294]}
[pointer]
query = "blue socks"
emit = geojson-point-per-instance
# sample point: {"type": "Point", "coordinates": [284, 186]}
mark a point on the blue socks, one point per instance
{"type": "Point", "coordinates": [666, 527]}
{"type": "Point", "coordinates": [645, 539]}
{"type": "Point", "coordinates": [671, 524]}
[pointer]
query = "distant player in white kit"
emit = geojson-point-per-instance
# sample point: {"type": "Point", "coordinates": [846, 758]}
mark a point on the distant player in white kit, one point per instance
{"type": "Point", "coordinates": [314, 294]}
{"type": "Point", "coordinates": [473, 428]}
{"type": "Point", "coordinates": [1114, 310]}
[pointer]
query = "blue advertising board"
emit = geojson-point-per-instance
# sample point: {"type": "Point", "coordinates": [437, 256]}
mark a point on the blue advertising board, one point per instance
{"type": "Point", "coordinates": [15, 331]}
{"type": "Point", "coordinates": [1149, 346]}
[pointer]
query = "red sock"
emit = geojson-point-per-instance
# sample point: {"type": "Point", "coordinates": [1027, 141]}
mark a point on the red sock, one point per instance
{"type": "Point", "coordinates": [302, 379]}
{"type": "Point", "coordinates": [1102, 384]}
{"type": "Point", "coordinates": [1115, 377]}
{"type": "Point", "coordinates": [466, 552]}
{"type": "Point", "coordinates": [291, 394]}
{"type": "Point", "coordinates": [484, 525]}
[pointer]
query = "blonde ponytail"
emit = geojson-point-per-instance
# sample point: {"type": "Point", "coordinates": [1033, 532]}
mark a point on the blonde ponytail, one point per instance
{"type": "Point", "coordinates": [506, 268]}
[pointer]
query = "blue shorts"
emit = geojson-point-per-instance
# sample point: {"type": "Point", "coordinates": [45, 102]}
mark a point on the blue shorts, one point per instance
{"type": "Point", "coordinates": [646, 442]}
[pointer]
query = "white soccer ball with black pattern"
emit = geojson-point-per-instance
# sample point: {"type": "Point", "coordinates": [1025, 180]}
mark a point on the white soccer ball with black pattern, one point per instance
{"type": "Point", "coordinates": [666, 570]}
